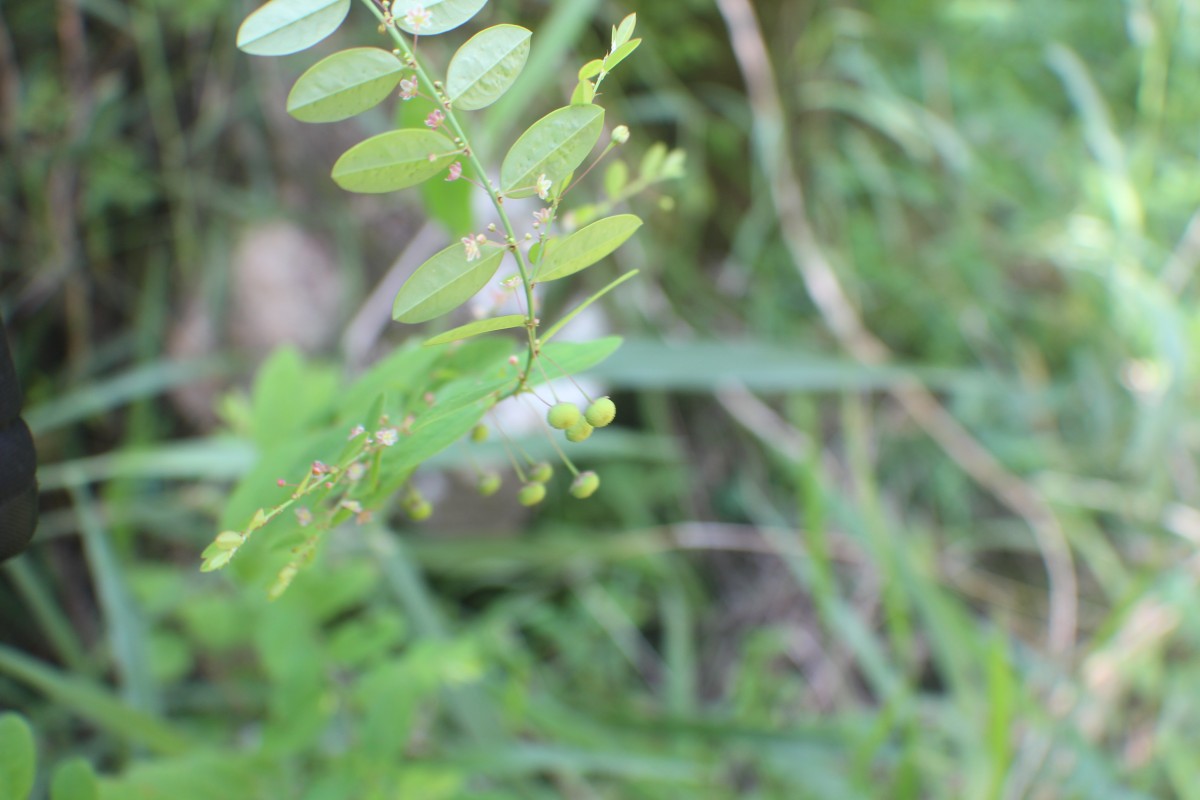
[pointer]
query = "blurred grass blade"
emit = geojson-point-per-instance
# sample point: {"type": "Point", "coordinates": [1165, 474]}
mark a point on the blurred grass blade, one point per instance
{"type": "Point", "coordinates": [216, 458]}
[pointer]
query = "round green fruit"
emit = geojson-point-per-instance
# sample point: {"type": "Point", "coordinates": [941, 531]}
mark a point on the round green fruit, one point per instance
{"type": "Point", "coordinates": [585, 485]}
{"type": "Point", "coordinates": [479, 433]}
{"type": "Point", "coordinates": [563, 415]}
{"type": "Point", "coordinates": [601, 412]}
{"type": "Point", "coordinates": [531, 494]}
{"type": "Point", "coordinates": [419, 511]}
{"type": "Point", "coordinates": [579, 431]}
{"type": "Point", "coordinates": [541, 472]}
{"type": "Point", "coordinates": [489, 484]}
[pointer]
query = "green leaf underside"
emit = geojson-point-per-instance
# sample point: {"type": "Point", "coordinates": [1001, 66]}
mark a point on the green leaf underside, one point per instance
{"type": "Point", "coordinates": [558, 326]}
{"type": "Point", "coordinates": [344, 84]}
{"type": "Point", "coordinates": [446, 14]}
{"type": "Point", "coordinates": [478, 327]}
{"type": "Point", "coordinates": [554, 145]}
{"type": "Point", "coordinates": [443, 283]}
{"type": "Point", "coordinates": [586, 246]}
{"type": "Point", "coordinates": [289, 26]}
{"type": "Point", "coordinates": [394, 160]}
{"type": "Point", "coordinates": [483, 68]}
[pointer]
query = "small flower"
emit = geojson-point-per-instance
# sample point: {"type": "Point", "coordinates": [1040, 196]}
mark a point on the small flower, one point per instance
{"type": "Point", "coordinates": [435, 118]}
{"type": "Point", "coordinates": [304, 517]}
{"type": "Point", "coordinates": [408, 88]}
{"type": "Point", "coordinates": [455, 172]}
{"type": "Point", "coordinates": [513, 360]}
{"type": "Point", "coordinates": [387, 436]}
{"type": "Point", "coordinates": [417, 17]}
{"type": "Point", "coordinates": [352, 505]}
{"type": "Point", "coordinates": [356, 470]}
{"type": "Point", "coordinates": [281, 482]}
{"type": "Point", "coordinates": [543, 186]}
{"type": "Point", "coordinates": [356, 431]}
{"type": "Point", "coordinates": [471, 245]}
{"type": "Point", "coordinates": [320, 468]}
{"type": "Point", "coordinates": [543, 216]}
{"type": "Point", "coordinates": [620, 134]}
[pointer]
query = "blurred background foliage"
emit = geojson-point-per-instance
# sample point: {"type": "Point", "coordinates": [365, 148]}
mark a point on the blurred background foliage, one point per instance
{"type": "Point", "coordinates": [786, 588]}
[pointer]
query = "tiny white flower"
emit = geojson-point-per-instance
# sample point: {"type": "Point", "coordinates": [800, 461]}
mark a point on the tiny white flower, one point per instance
{"type": "Point", "coordinates": [543, 215]}
{"type": "Point", "coordinates": [543, 186]}
{"type": "Point", "coordinates": [417, 17]}
{"type": "Point", "coordinates": [471, 245]}
{"type": "Point", "coordinates": [352, 505]}
{"type": "Point", "coordinates": [408, 88]}
{"type": "Point", "coordinates": [387, 436]}
{"type": "Point", "coordinates": [356, 431]}
{"type": "Point", "coordinates": [304, 517]}
{"type": "Point", "coordinates": [356, 470]}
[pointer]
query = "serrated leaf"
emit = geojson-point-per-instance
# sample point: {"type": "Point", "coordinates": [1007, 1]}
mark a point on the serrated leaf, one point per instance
{"type": "Point", "coordinates": [443, 283]}
{"type": "Point", "coordinates": [394, 160]}
{"type": "Point", "coordinates": [445, 15]}
{"type": "Point", "coordinates": [486, 65]}
{"type": "Point", "coordinates": [289, 26]}
{"type": "Point", "coordinates": [554, 146]}
{"type": "Point", "coordinates": [586, 246]}
{"type": "Point", "coordinates": [18, 757]}
{"type": "Point", "coordinates": [620, 54]}
{"type": "Point", "coordinates": [344, 84]}
{"type": "Point", "coordinates": [478, 327]}
{"type": "Point", "coordinates": [74, 780]}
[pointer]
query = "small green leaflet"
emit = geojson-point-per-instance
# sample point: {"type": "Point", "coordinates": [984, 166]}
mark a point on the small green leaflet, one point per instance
{"type": "Point", "coordinates": [443, 283]}
{"type": "Point", "coordinates": [289, 26]}
{"type": "Point", "coordinates": [394, 160]}
{"type": "Point", "coordinates": [586, 246]}
{"type": "Point", "coordinates": [620, 54]}
{"type": "Point", "coordinates": [74, 780]}
{"type": "Point", "coordinates": [444, 14]}
{"type": "Point", "coordinates": [344, 84]}
{"type": "Point", "coordinates": [18, 757]}
{"type": "Point", "coordinates": [483, 68]}
{"type": "Point", "coordinates": [558, 326]}
{"type": "Point", "coordinates": [554, 146]}
{"type": "Point", "coordinates": [478, 327]}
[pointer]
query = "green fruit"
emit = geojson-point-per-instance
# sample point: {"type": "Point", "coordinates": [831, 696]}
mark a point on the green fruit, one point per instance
{"type": "Point", "coordinates": [531, 494]}
{"type": "Point", "coordinates": [563, 416]}
{"type": "Point", "coordinates": [489, 484]}
{"type": "Point", "coordinates": [601, 412]}
{"type": "Point", "coordinates": [479, 433]}
{"type": "Point", "coordinates": [540, 473]}
{"type": "Point", "coordinates": [579, 431]}
{"type": "Point", "coordinates": [585, 485]}
{"type": "Point", "coordinates": [420, 510]}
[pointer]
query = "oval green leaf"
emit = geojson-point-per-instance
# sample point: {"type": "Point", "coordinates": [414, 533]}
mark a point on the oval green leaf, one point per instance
{"type": "Point", "coordinates": [487, 65]}
{"type": "Point", "coordinates": [289, 26]}
{"type": "Point", "coordinates": [476, 328]}
{"type": "Point", "coordinates": [18, 757]}
{"type": "Point", "coordinates": [554, 146]}
{"type": "Point", "coordinates": [74, 779]}
{"type": "Point", "coordinates": [443, 283]}
{"type": "Point", "coordinates": [394, 160]}
{"type": "Point", "coordinates": [444, 14]}
{"type": "Point", "coordinates": [344, 84]}
{"type": "Point", "coordinates": [586, 246]}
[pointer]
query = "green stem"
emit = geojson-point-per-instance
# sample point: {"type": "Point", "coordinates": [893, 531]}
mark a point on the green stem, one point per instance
{"type": "Point", "coordinates": [452, 121]}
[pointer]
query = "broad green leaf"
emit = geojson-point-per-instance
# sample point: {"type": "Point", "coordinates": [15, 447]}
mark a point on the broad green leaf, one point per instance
{"type": "Point", "coordinates": [344, 84]}
{"type": "Point", "coordinates": [554, 146]}
{"type": "Point", "coordinates": [394, 160]}
{"type": "Point", "coordinates": [478, 327]}
{"type": "Point", "coordinates": [443, 283]}
{"type": "Point", "coordinates": [289, 26]}
{"type": "Point", "coordinates": [74, 780]}
{"type": "Point", "coordinates": [444, 14]}
{"type": "Point", "coordinates": [586, 246]}
{"type": "Point", "coordinates": [18, 757]}
{"type": "Point", "coordinates": [549, 334]}
{"type": "Point", "coordinates": [620, 35]}
{"type": "Point", "coordinates": [620, 54]}
{"type": "Point", "coordinates": [487, 65]}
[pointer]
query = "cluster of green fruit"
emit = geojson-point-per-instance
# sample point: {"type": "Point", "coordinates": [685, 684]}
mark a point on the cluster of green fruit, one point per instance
{"type": "Point", "coordinates": [579, 426]}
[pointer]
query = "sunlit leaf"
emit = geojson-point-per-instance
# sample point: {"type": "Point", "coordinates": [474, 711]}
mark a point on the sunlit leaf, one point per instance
{"type": "Point", "coordinates": [444, 14]}
{"type": "Point", "coordinates": [344, 84]}
{"type": "Point", "coordinates": [554, 146]}
{"type": "Point", "coordinates": [478, 327]}
{"type": "Point", "coordinates": [483, 68]}
{"type": "Point", "coordinates": [620, 54]}
{"type": "Point", "coordinates": [394, 160]}
{"type": "Point", "coordinates": [587, 246]}
{"type": "Point", "coordinates": [443, 283]}
{"type": "Point", "coordinates": [289, 26]}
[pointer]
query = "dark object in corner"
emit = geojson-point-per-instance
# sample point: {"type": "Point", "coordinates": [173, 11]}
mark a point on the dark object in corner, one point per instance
{"type": "Point", "coordinates": [18, 463]}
